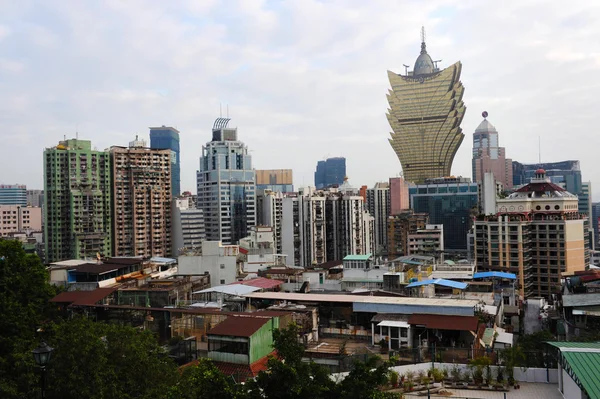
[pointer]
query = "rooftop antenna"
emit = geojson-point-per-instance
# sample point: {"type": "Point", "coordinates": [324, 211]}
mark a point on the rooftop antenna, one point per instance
{"type": "Point", "coordinates": [77, 131]}
{"type": "Point", "coordinates": [405, 69]}
{"type": "Point", "coordinates": [435, 63]}
{"type": "Point", "coordinates": [423, 36]}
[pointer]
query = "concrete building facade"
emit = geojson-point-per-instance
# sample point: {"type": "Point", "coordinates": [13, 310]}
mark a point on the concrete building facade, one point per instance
{"type": "Point", "coordinates": [269, 206]}
{"type": "Point", "coordinates": [330, 172]}
{"type": "Point", "coordinates": [399, 199]}
{"type": "Point", "coordinates": [16, 219]}
{"type": "Point", "coordinates": [426, 242]}
{"type": "Point", "coordinates": [537, 233]}
{"type": "Point", "coordinates": [77, 201]}
{"type": "Point", "coordinates": [400, 226]}
{"type": "Point", "coordinates": [35, 198]}
{"type": "Point", "coordinates": [226, 186]}
{"type": "Point", "coordinates": [425, 112]}
{"type": "Point", "coordinates": [218, 260]}
{"type": "Point", "coordinates": [378, 205]}
{"type": "Point", "coordinates": [141, 200]}
{"type": "Point", "coordinates": [488, 156]}
{"type": "Point", "coordinates": [187, 226]}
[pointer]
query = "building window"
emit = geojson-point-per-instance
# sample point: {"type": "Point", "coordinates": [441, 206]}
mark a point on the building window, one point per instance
{"type": "Point", "coordinates": [222, 266]}
{"type": "Point", "coordinates": [222, 281]}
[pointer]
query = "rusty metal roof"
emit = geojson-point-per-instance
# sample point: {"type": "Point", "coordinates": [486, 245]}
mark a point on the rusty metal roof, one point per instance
{"type": "Point", "coordinates": [443, 322]}
{"type": "Point", "coordinates": [236, 326]}
{"type": "Point", "coordinates": [260, 282]}
{"type": "Point", "coordinates": [83, 297]}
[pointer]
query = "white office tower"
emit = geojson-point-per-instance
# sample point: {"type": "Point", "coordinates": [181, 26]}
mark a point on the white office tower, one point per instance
{"type": "Point", "coordinates": [378, 205]}
{"type": "Point", "coordinates": [322, 226]}
{"type": "Point", "coordinates": [226, 186]}
{"type": "Point", "coordinates": [269, 206]}
{"type": "Point", "coordinates": [187, 225]}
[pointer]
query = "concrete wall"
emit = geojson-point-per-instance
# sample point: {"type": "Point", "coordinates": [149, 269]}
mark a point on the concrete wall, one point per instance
{"type": "Point", "coordinates": [569, 388]}
{"type": "Point", "coordinates": [222, 269]}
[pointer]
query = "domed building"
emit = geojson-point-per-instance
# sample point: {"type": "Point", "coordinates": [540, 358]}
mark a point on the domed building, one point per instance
{"type": "Point", "coordinates": [425, 112]}
{"type": "Point", "coordinates": [488, 156]}
{"type": "Point", "coordinates": [537, 233]}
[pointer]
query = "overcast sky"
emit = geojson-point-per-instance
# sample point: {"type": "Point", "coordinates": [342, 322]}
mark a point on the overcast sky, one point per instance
{"type": "Point", "coordinates": [304, 80]}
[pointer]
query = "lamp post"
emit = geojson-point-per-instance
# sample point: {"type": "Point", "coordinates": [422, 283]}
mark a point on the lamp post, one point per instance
{"type": "Point", "coordinates": [42, 355]}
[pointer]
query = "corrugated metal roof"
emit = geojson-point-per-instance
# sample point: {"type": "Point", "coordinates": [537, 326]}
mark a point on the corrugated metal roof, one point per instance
{"type": "Point", "coordinates": [444, 322]}
{"type": "Point", "coordinates": [590, 299]}
{"type": "Point", "coordinates": [289, 296]}
{"type": "Point", "coordinates": [510, 276]}
{"type": "Point", "coordinates": [585, 366]}
{"type": "Point", "coordinates": [439, 281]}
{"type": "Point", "coordinates": [235, 326]}
{"type": "Point", "coordinates": [236, 289]}
{"type": "Point", "coordinates": [575, 345]}
{"type": "Point", "coordinates": [358, 257]}
{"type": "Point", "coordinates": [393, 323]}
{"type": "Point", "coordinates": [83, 298]}
{"type": "Point", "coordinates": [260, 282]}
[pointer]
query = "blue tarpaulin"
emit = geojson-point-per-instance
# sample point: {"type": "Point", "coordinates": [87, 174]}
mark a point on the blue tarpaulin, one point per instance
{"type": "Point", "coordinates": [510, 276]}
{"type": "Point", "coordinates": [439, 281]}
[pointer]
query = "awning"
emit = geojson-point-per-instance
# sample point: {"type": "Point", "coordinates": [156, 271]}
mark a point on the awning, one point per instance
{"type": "Point", "coordinates": [510, 276]}
{"type": "Point", "coordinates": [439, 281]}
{"type": "Point", "coordinates": [393, 323]}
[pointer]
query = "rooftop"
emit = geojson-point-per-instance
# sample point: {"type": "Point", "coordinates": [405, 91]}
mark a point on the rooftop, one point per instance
{"type": "Point", "coordinates": [83, 297]}
{"type": "Point", "coordinates": [358, 257]}
{"type": "Point", "coordinates": [443, 322]}
{"type": "Point", "coordinates": [582, 364]}
{"type": "Point", "coordinates": [260, 282]}
{"type": "Point", "coordinates": [236, 326]}
{"type": "Point", "coordinates": [100, 268]}
{"type": "Point", "coordinates": [287, 296]}
{"type": "Point", "coordinates": [439, 281]}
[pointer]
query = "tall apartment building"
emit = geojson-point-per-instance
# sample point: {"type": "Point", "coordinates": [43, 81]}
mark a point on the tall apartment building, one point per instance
{"type": "Point", "coordinates": [425, 112]}
{"type": "Point", "coordinates": [426, 242]}
{"type": "Point", "coordinates": [594, 221]}
{"type": "Point", "coordinates": [13, 194]}
{"type": "Point", "coordinates": [400, 226]}
{"type": "Point", "coordinates": [488, 156]}
{"type": "Point", "coordinates": [17, 218]}
{"type": "Point", "coordinates": [449, 201]}
{"type": "Point", "coordinates": [141, 200]}
{"type": "Point", "coordinates": [537, 233]}
{"type": "Point", "coordinates": [330, 172]}
{"type": "Point", "coordinates": [167, 138]}
{"type": "Point", "coordinates": [226, 186]}
{"type": "Point", "coordinates": [278, 180]}
{"type": "Point", "coordinates": [399, 199]}
{"type": "Point", "coordinates": [378, 205]}
{"type": "Point", "coordinates": [77, 201]}
{"type": "Point", "coordinates": [269, 206]}
{"type": "Point", "coordinates": [35, 198]}
{"type": "Point", "coordinates": [349, 226]}
{"type": "Point", "coordinates": [321, 226]}
{"type": "Point", "coordinates": [187, 226]}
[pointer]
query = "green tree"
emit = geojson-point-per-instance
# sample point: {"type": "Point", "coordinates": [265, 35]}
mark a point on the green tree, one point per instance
{"type": "Point", "coordinates": [365, 380]}
{"type": "Point", "coordinates": [203, 381]}
{"type": "Point", "coordinates": [24, 295]}
{"type": "Point", "coordinates": [98, 360]}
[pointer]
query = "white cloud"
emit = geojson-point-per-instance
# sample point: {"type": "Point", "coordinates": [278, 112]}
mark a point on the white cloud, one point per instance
{"type": "Point", "coordinates": [303, 79]}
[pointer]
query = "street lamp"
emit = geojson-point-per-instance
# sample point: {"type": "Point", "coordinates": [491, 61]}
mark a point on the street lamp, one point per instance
{"type": "Point", "coordinates": [42, 355]}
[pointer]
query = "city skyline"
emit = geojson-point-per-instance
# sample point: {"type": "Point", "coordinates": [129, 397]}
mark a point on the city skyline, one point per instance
{"type": "Point", "coordinates": [283, 81]}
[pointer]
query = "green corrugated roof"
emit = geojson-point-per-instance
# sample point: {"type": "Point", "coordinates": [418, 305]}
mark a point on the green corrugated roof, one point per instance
{"type": "Point", "coordinates": [580, 345]}
{"type": "Point", "coordinates": [488, 336]}
{"type": "Point", "coordinates": [358, 257]}
{"type": "Point", "coordinates": [585, 366]}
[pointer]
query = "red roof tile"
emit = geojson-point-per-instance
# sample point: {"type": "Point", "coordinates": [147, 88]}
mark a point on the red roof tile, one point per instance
{"type": "Point", "coordinates": [235, 326]}
{"type": "Point", "coordinates": [442, 322]}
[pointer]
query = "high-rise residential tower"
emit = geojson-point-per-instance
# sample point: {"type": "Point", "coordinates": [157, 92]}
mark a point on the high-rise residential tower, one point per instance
{"type": "Point", "coordinates": [278, 180]}
{"type": "Point", "coordinates": [378, 205]}
{"type": "Point", "coordinates": [488, 156]}
{"type": "Point", "coordinates": [167, 138]}
{"type": "Point", "coordinates": [141, 200]}
{"type": "Point", "coordinates": [77, 201]}
{"type": "Point", "coordinates": [330, 172]}
{"type": "Point", "coordinates": [425, 112]}
{"type": "Point", "coordinates": [226, 186]}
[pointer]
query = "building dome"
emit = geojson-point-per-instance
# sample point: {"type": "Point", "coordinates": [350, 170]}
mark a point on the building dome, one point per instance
{"type": "Point", "coordinates": [424, 63]}
{"type": "Point", "coordinates": [540, 171]}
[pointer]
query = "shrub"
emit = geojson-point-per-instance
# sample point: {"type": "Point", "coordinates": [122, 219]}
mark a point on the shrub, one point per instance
{"type": "Point", "coordinates": [394, 378]}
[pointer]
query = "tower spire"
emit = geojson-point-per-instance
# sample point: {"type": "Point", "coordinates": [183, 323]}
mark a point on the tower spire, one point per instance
{"type": "Point", "coordinates": [423, 37]}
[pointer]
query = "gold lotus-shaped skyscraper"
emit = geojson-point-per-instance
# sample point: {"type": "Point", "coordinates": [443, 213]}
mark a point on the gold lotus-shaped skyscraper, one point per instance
{"type": "Point", "coordinates": [425, 112]}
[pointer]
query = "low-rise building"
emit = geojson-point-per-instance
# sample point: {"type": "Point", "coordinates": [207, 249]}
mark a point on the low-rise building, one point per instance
{"type": "Point", "coordinates": [427, 241]}
{"type": "Point", "coordinates": [18, 219]}
{"type": "Point", "coordinates": [222, 262]}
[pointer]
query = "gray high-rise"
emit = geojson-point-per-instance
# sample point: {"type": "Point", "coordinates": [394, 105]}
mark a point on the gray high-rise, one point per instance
{"type": "Point", "coordinates": [226, 186]}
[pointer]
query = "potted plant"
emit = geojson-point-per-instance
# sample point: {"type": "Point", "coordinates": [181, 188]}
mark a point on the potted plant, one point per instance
{"type": "Point", "coordinates": [436, 375]}
{"type": "Point", "coordinates": [456, 375]}
{"type": "Point", "coordinates": [500, 375]}
{"type": "Point", "coordinates": [420, 376]}
{"type": "Point", "coordinates": [488, 376]}
{"type": "Point", "coordinates": [408, 386]}
{"type": "Point", "coordinates": [445, 373]}
{"type": "Point", "coordinates": [409, 376]}
{"type": "Point", "coordinates": [394, 378]}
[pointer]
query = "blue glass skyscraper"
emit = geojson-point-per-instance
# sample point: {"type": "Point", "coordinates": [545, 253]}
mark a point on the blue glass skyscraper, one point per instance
{"type": "Point", "coordinates": [13, 194]}
{"type": "Point", "coordinates": [167, 138]}
{"type": "Point", "coordinates": [330, 172]}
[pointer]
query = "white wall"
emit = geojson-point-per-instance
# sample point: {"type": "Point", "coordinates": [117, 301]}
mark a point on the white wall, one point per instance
{"type": "Point", "coordinates": [222, 269]}
{"type": "Point", "coordinates": [570, 389]}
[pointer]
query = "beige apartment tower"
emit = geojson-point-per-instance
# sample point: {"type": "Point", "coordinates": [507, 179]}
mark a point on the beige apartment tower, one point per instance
{"type": "Point", "coordinates": [141, 200]}
{"type": "Point", "coordinates": [537, 233]}
{"type": "Point", "coordinates": [425, 112]}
